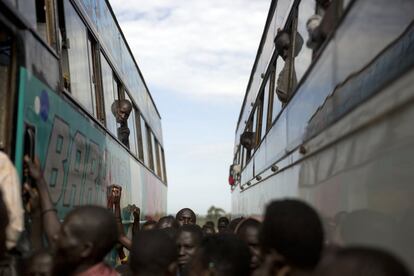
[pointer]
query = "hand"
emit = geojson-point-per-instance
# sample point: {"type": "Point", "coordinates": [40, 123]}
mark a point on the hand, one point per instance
{"type": "Point", "coordinates": [114, 195]}
{"type": "Point", "coordinates": [33, 168]}
{"type": "Point", "coordinates": [33, 205]}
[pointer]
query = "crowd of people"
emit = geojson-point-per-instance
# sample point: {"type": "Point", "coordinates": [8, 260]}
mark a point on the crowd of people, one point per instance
{"type": "Point", "coordinates": [289, 240]}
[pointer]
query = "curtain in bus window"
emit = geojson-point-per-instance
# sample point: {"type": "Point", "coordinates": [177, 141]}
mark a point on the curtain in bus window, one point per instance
{"type": "Point", "coordinates": [80, 78]}
{"type": "Point", "coordinates": [144, 141]}
{"type": "Point", "coordinates": [265, 108]}
{"type": "Point", "coordinates": [110, 95]}
{"type": "Point", "coordinates": [277, 104]}
{"type": "Point", "coordinates": [304, 58]}
{"type": "Point", "coordinates": [154, 153]}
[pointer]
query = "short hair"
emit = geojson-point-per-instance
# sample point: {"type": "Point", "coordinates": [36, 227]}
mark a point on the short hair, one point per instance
{"type": "Point", "coordinates": [152, 252]}
{"type": "Point", "coordinates": [294, 230]}
{"type": "Point", "coordinates": [233, 224]}
{"type": "Point", "coordinates": [94, 224]}
{"type": "Point", "coordinates": [149, 222]}
{"type": "Point", "coordinates": [168, 219]}
{"type": "Point", "coordinates": [118, 103]}
{"type": "Point", "coordinates": [195, 231]}
{"type": "Point", "coordinates": [210, 223]}
{"type": "Point", "coordinates": [223, 219]}
{"type": "Point", "coordinates": [179, 213]}
{"type": "Point", "coordinates": [245, 224]}
{"type": "Point", "coordinates": [226, 253]}
{"type": "Point", "coordinates": [362, 261]}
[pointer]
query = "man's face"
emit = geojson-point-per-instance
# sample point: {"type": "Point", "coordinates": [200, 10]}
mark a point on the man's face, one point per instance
{"type": "Point", "coordinates": [123, 113]}
{"type": "Point", "coordinates": [222, 226]}
{"type": "Point", "coordinates": [186, 218]}
{"type": "Point", "coordinates": [69, 247]}
{"type": "Point", "coordinates": [251, 237]}
{"type": "Point", "coordinates": [186, 246]}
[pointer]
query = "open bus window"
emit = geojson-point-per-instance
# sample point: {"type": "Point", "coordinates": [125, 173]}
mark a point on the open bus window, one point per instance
{"type": "Point", "coordinates": [288, 44]}
{"type": "Point", "coordinates": [6, 54]}
{"type": "Point", "coordinates": [45, 21]}
{"type": "Point", "coordinates": [121, 109]}
{"type": "Point", "coordinates": [304, 58]}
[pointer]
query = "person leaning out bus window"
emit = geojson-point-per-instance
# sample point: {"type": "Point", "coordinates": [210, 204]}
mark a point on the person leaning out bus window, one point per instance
{"type": "Point", "coordinates": [121, 110]}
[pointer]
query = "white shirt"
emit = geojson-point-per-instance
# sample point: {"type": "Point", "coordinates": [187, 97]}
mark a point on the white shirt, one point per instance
{"type": "Point", "coordinates": [11, 190]}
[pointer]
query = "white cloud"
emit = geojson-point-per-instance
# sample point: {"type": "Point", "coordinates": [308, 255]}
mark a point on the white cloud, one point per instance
{"type": "Point", "coordinates": [202, 48]}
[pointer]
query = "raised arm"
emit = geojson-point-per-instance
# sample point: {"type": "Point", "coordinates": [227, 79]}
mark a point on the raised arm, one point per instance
{"type": "Point", "coordinates": [51, 223]}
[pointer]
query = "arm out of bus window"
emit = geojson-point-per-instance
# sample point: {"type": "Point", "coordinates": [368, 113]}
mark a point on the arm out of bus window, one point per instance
{"type": "Point", "coordinates": [115, 198]}
{"type": "Point", "coordinates": [35, 212]}
{"type": "Point", "coordinates": [49, 215]}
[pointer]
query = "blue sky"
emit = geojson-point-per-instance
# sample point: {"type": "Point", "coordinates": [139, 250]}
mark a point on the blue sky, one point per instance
{"type": "Point", "coordinates": [196, 57]}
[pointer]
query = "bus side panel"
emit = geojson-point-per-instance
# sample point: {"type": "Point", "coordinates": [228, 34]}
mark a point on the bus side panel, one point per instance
{"type": "Point", "coordinates": [372, 181]}
{"type": "Point", "coordinates": [79, 160]}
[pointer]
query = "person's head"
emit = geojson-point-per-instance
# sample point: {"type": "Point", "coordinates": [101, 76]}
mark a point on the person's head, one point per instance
{"type": "Point", "coordinates": [153, 252]}
{"type": "Point", "coordinates": [233, 224]}
{"type": "Point", "coordinates": [149, 225]}
{"type": "Point", "coordinates": [221, 255]}
{"type": "Point", "coordinates": [207, 230]}
{"type": "Point", "coordinates": [188, 240]}
{"type": "Point", "coordinates": [222, 224]}
{"type": "Point", "coordinates": [167, 222]}
{"type": "Point", "coordinates": [186, 216]}
{"type": "Point", "coordinates": [87, 234]}
{"type": "Point", "coordinates": [4, 221]}
{"type": "Point", "coordinates": [210, 224]}
{"type": "Point", "coordinates": [121, 110]}
{"type": "Point", "coordinates": [293, 230]}
{"type": "Point", "coordinates": [248, 231]}
{"type": "Point", "coordinates": [362, 261]}
{"type": "Point", "coordinates": [282, 43]}
{"type": "Point", "coordinates": [40, 264]}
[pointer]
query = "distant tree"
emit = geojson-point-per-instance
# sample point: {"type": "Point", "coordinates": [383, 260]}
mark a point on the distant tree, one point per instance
{"type": "Point", "coordinates": [213, 213]}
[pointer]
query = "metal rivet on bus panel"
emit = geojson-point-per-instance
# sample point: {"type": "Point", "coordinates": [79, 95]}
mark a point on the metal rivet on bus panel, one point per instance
{"type": "Point", "coordinates": [302, 150]}
{"type": "Point", "coordinates": [274, 168]}
{"type": "Point", "coordinates": [258, 178]}
{"type": "Point", "coordinates": [241, 187]}
{"type": "Point", "coordinates": [252, 104]}
{"type": "Point", "coordinates": [262, 75]}
{"type": "Point", "coordinates": [248, 183]}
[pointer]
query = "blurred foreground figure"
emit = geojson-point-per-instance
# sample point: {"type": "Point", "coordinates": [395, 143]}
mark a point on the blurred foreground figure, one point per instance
{"type": "Point", "coordinates": [221, 255]}
{"type": "Point", "coordinates": [188, 240]}
{"type": "Point", "coordinates": [40, 264]}
{"type": "Point", "coordinates": [186, 216]}
{"type": "Point", "coordinates": [360, 261]}
{"type": "Point", "coordinates": [248, 231]}
{"type": "Point", "coordinates": [291, 239]}
{"type": "Point", "coordinates": [10, 187]}
{"type": "Point", "coordinates": [153, 253]}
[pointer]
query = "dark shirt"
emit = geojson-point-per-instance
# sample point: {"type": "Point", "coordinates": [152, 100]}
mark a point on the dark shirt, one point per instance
{"type": "Point", "coordinates": [123, 134]}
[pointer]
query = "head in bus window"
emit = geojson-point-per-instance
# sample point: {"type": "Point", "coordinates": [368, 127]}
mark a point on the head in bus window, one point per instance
{"type": "Point", "coordinates": [283, 42]}
{"type": "Point", "coordinates": [121, 110]}
{"type": "Point", "coordinates": [186, 216]}
{"type": "Point", "coordinates": [87, 234]}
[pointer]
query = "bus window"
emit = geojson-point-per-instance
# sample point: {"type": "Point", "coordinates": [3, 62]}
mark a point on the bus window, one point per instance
{"type": "Point", "coordinates": [132, 128]}
{"type": "Point", "coordinates": [164, 169]}
{"type": "Point", "coordinates": [6, 55]}
{"type": "Point", "coordinates": [259, 119]}
{"type": "Point", "coordinates": [304, 58]}
{"type": "Point", "coordinates": [45, 21]}
{"type": "Point", "coordinates": [110, 94]}
{"type": "Point", "coordinates": [157, 157]}
{"type": "Point", "coordinates": [265, 108]}
{"type": "Point", "coordinates": [79, 58]}
{"type": "Point", "coordinates": [140, 144]}
{"type": "Point", "coordinates": [149, 147]}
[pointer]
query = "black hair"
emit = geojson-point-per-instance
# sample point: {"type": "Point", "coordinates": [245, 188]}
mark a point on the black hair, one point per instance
{"type": "Point", "coordinates": [193, 215]}
{"type": "Point", "coordinates": [363, 261]}
{"type": "Point", "coordinates": [195, 231]}
{"type": "Point", "coordinates": [148, 223]}
{"type": "Point", "coordinates": [170, 220]}
{"type": "Point", "coordinates": [233, 224]}
{"type": "Point", "coordinates": [293, 229]}
{"type": "Point", "coordinates": [223, 219]}
{"type": "Point", "coordinates": [152, 252]}
{"type": "Point", "coordinates": [226, 254]}
{"type": "Point", "coordinates": [97, 225]}
{"type": "Point", "coordinates": [245, 224]}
